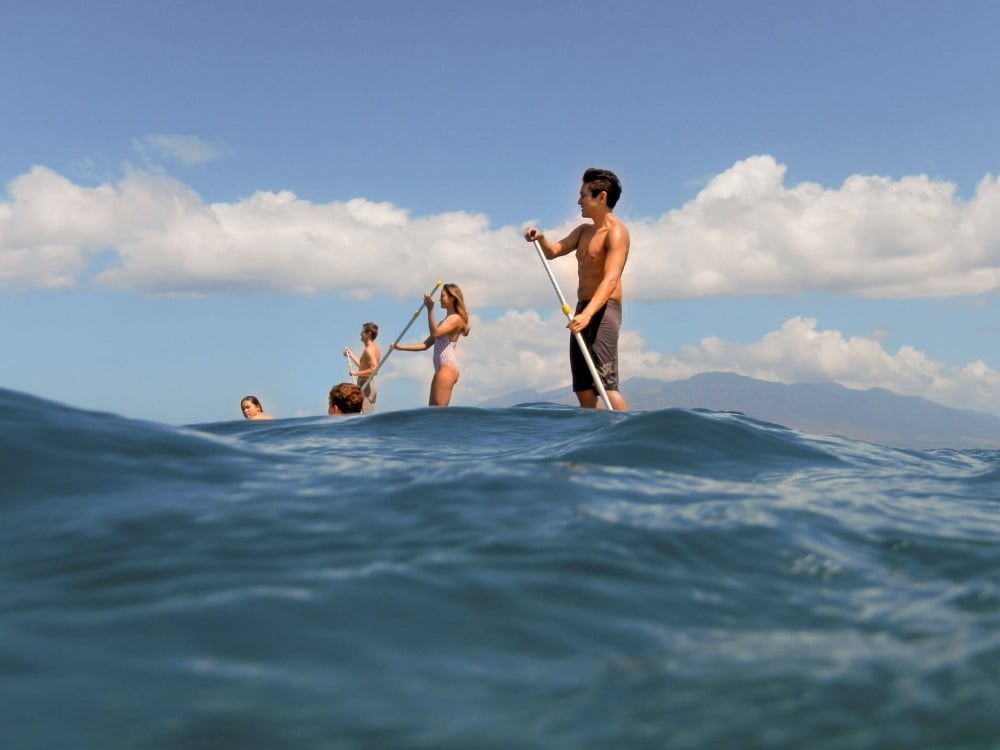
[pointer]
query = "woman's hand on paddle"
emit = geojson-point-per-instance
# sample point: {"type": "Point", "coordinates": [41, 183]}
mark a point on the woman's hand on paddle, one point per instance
{"type": "Point", "coordinates": [531, 234]}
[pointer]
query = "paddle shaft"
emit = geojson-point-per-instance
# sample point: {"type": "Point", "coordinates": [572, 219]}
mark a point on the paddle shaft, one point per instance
{"type": "Point", "coordinates": [567, 311]}
{"type": "Point", "coordinates": [416, 314]}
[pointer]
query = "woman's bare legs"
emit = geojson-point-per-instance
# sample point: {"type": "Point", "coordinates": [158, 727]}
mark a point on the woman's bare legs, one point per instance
{"type": "Point", "coordinates": [442, 385]}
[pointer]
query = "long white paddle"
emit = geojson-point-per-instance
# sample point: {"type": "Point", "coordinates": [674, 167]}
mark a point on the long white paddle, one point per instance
{"type": "Point", "coordinates": [416, 314]}
{"type": "Point", "coordinates": [598, 383]}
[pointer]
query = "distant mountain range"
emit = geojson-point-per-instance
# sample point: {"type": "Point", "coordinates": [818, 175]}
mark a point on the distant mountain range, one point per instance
{"type": "Point", "coordinates": [875, 415]}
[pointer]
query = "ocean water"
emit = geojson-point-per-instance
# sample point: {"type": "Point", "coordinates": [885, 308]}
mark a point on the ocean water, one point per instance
{"type": "Point", "coordinates": [531, 577]}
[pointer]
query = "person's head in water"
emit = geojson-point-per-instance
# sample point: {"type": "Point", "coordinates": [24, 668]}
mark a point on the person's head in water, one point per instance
{"type": "Point", "coordinates": [345, 398]}
{"type": "Point", "coordinates": [251, 408]}
{"type": "Point", "coordinates": [597, 181]}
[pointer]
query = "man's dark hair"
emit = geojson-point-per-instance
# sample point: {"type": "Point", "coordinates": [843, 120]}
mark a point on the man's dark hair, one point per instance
{"type": "Point", "coordinates": [371, 329]}
{"type": "Point", "coordinates": [596, 180]}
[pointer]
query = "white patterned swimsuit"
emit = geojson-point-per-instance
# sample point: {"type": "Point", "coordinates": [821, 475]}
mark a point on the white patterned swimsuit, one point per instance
{"type": "Point", "coordinates": [444, 353]}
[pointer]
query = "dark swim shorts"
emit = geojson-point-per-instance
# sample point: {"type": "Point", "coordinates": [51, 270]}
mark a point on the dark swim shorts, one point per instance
{"type": "Point", "coordinates": [601, 337]}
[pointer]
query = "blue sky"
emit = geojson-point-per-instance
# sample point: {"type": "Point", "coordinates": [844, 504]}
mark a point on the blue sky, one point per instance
{"type": "Point", "coordinates": [207, 199]}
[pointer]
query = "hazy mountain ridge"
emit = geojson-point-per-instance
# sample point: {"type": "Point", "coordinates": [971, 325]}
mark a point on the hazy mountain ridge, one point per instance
{"type": "Point", "coordinates": [875, 415]}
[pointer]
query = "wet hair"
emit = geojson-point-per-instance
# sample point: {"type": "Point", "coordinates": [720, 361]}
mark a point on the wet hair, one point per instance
{"type": "Point", "coordinates": [455, 292]}
{"type": "Point", "coordinates": [370, 329]}
{"type": "Point", "coordinates": [347, 397]}
{"type": "Point", "coordinates": [596, 180]}
{"type": "Point", "coordinates": [253, 400]}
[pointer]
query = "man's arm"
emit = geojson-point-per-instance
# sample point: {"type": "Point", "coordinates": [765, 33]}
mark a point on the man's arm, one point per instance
{"type": "Point", "coordinates": [551, 250]}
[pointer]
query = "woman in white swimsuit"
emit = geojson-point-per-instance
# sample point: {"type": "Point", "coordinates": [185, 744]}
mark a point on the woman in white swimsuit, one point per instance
{"type": "Point", "coordinates": [444, 338]}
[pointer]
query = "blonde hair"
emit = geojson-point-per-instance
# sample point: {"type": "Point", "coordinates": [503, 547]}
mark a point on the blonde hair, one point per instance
{"type": "Point", "coordinates": [460, 308]}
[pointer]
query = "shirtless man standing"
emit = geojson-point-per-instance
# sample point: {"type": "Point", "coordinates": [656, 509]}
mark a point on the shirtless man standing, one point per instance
{"type": "Point", "coordinates": [367, 364]}
{"type": "Point", "coordinates": [601, 251]}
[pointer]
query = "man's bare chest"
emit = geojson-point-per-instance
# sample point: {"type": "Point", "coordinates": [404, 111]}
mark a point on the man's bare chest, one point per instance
{"type": "Point", "coordinates": [592, 249]}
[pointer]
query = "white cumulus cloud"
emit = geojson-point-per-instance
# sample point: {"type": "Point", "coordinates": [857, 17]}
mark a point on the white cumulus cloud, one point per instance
{"type": "Point", "coordinates": [801, 352]}
{"type": "Point", "coordinates": [745, 233]}
{"type": "Point", "coordinates": [166, 239]}
{"type": "Point", "coordinates": [523, 350]}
